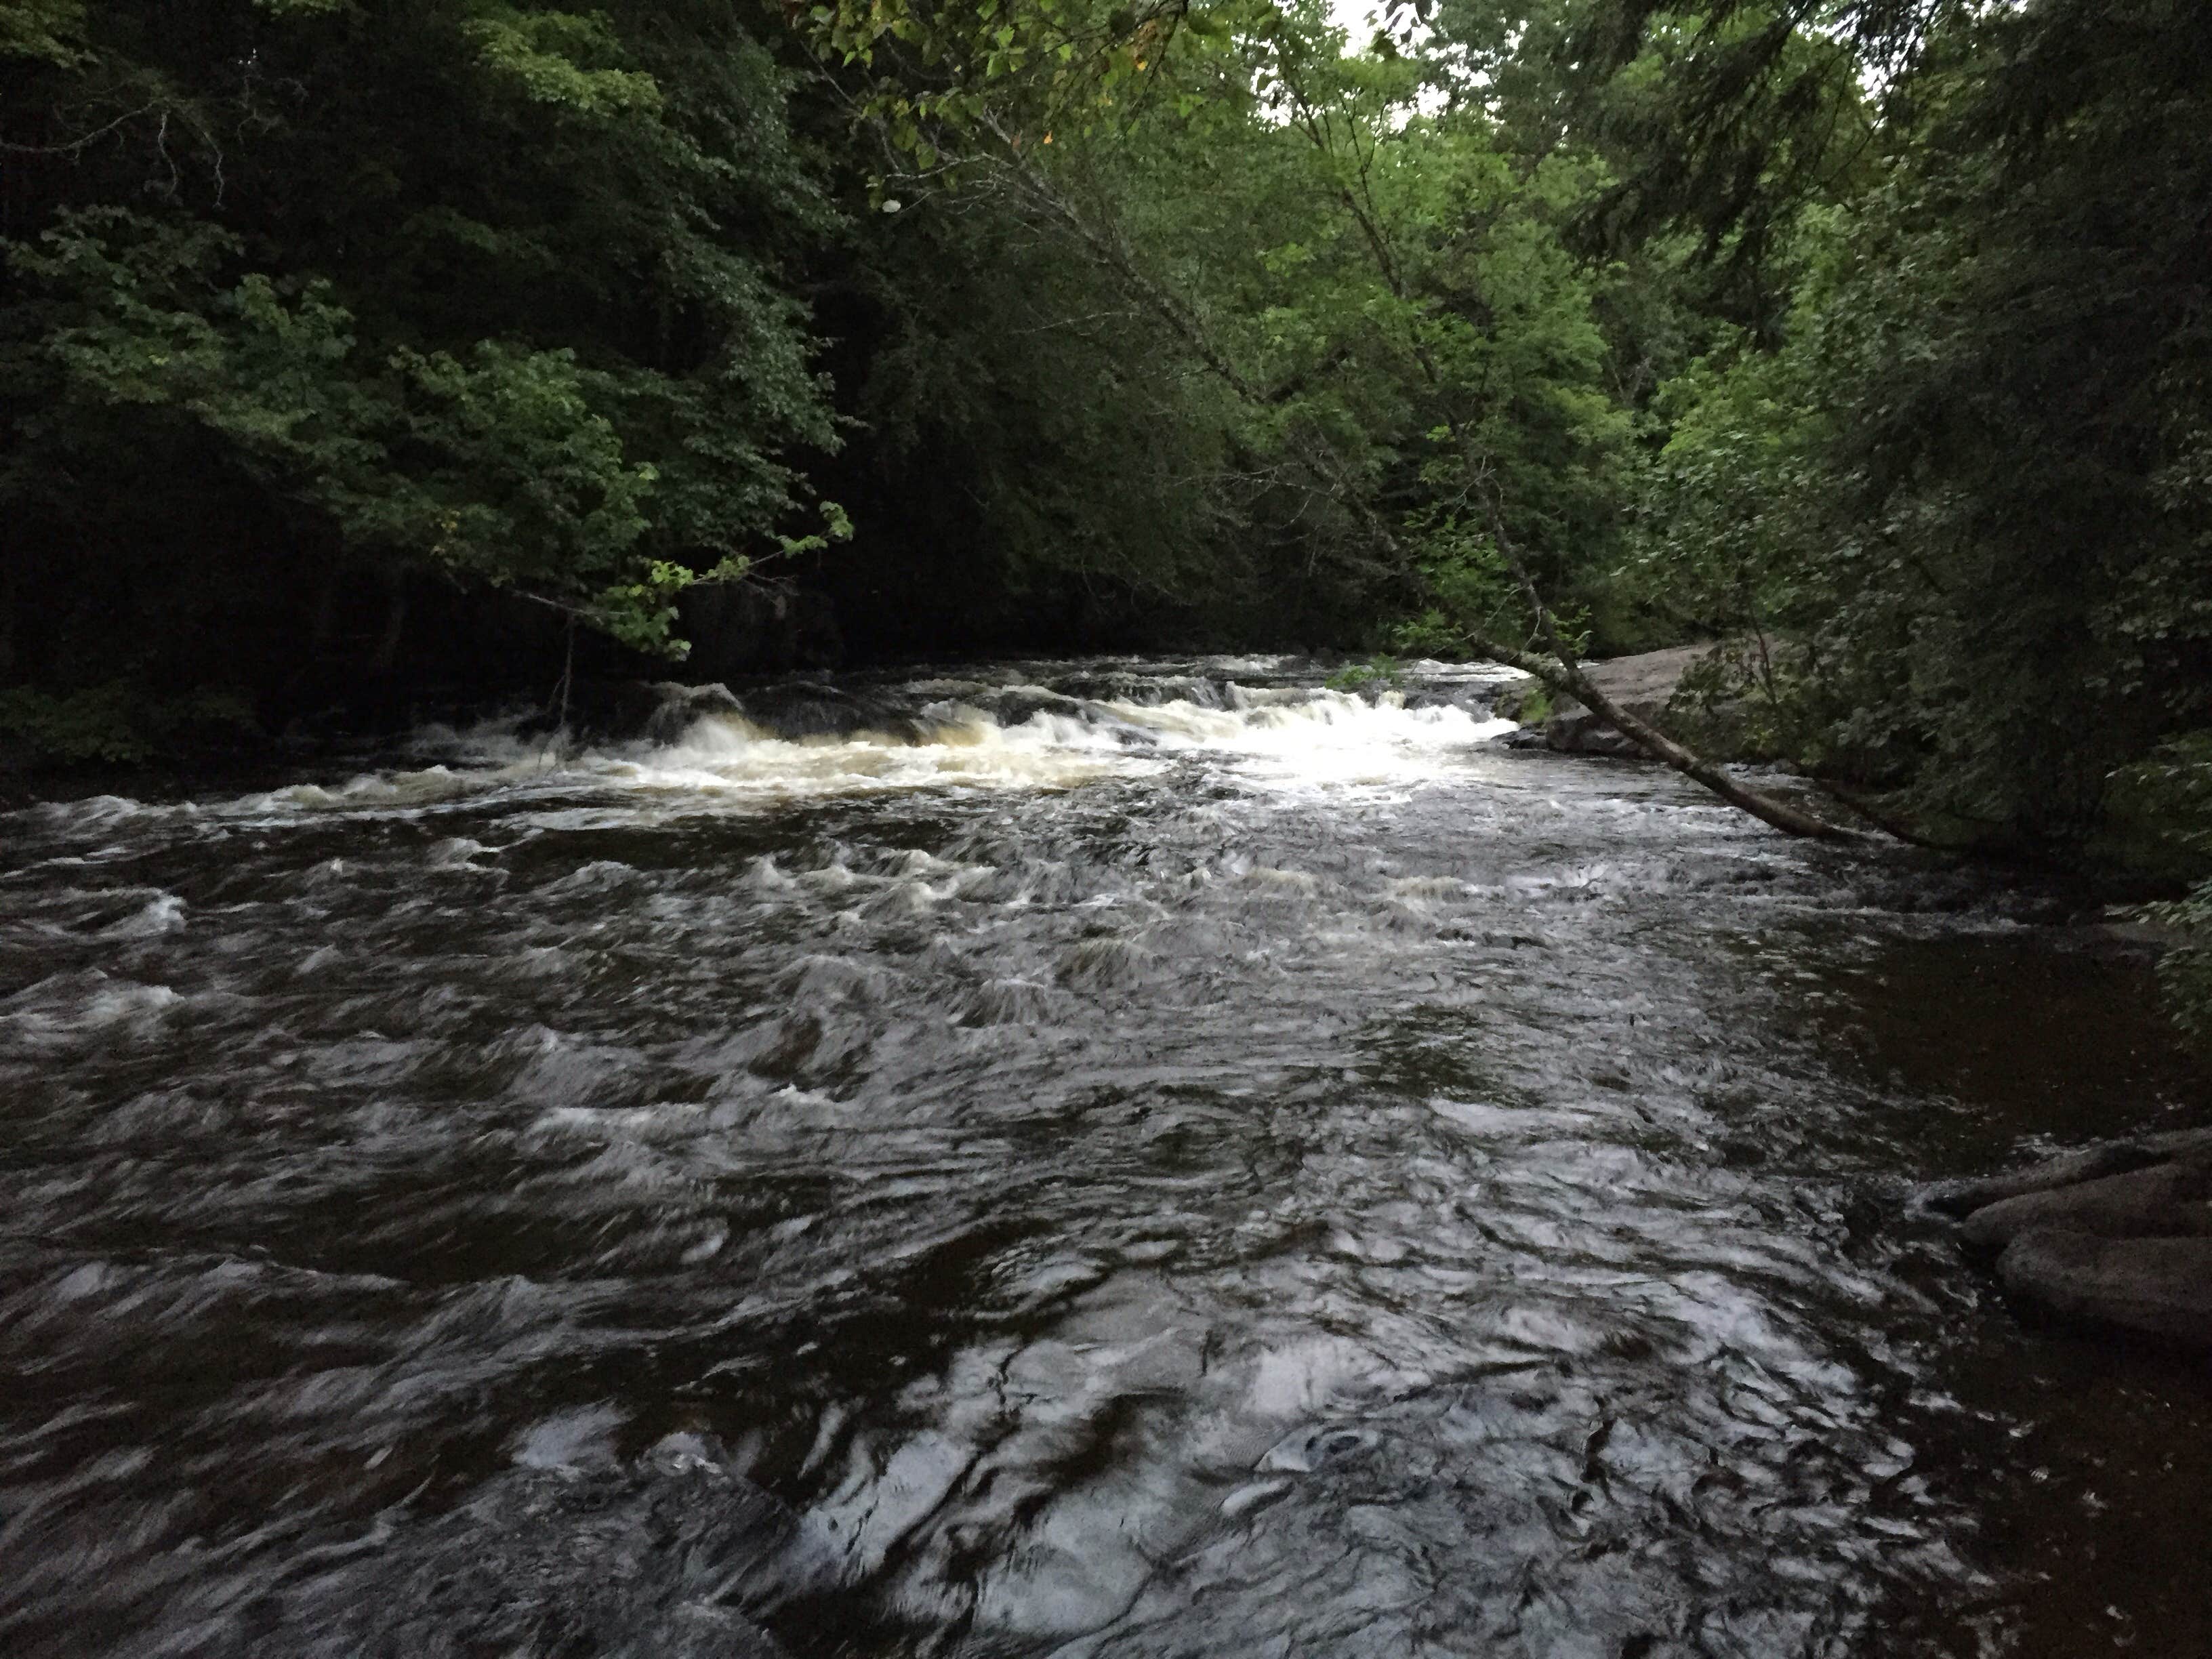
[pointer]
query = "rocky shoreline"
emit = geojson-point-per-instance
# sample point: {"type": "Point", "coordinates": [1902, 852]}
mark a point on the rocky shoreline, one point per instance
{"type": "Point", "coordinates": [1648, 685]}
{"type": "Point", "coordinates": [2115, 1238]}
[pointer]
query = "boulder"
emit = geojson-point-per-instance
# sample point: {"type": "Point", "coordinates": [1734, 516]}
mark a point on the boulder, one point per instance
{"type": "Point", "coordinates": [1013, 705]}
{"type": "Point", "coordinates": [2114, 1157]}
{"type": "Point", "coordinates": [633, 711]}
{"type": "Point", "coordinates": [796, 710]}
{"type": "Point", "coordinates": [1649, 686]}
{"type": "Point", "coordinates": [678, 708]}
{"type": "Point", "coordinates": [2167, 1199]}
{"type": "Point", "coordinates": [2154, 1287]}
{"type": "Point", "coordinates": [2117, 1237]}
{"type": "Point", "coordinates": [1576, 731]}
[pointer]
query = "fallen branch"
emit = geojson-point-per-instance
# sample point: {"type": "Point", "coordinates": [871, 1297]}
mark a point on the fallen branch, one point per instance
{"type": "Point", "coordinates": [1566, 676]}
{"type": "Point", "coordinates": [1046, 202]}
{"type": "Point", "coordinates": [1562, 672]}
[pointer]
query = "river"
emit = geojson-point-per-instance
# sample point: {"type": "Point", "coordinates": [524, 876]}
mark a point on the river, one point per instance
{"type": "Point", "coordinates": [1102, 1159]}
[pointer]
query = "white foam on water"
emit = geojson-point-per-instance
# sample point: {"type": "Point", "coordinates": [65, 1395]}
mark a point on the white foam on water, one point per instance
{"type": "Point", "coordinates": [163, 914]}
{"type": "Point", "coordinates": [1320, 738]}
{"type": "Point", "coordinates": [87, 1005]}
{"type": "Point", "coordinates": [1272, 738]}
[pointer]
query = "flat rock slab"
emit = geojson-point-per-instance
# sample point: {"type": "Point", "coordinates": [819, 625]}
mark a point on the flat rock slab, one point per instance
{"type": "Point", "coordinates": [1649, 676]}
{"type": "Point", "coordinates": [1642, 685]}
{"type": "Point", "coordinates": [2155, 1287]}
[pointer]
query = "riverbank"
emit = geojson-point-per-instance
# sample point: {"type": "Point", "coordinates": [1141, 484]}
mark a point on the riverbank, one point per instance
{"type": "Point", "coordinates": [2115, 1238]}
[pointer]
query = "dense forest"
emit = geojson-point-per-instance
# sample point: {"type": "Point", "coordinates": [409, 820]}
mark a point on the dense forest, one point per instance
{"type": "Point", "coordinates": [352, 349]}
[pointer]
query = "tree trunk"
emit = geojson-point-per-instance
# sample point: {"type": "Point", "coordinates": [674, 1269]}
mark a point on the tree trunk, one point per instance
{"type": "Point", "coordinates": [1559, 671]}
{"type": "Point", "coordinates": [1568, 678]}
{"type": "Point", "coordinates": [386, 653]}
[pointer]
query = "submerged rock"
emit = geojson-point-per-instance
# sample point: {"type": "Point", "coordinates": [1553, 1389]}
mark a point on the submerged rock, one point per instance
{"type": "Point", "coordinates": [673, 1556]}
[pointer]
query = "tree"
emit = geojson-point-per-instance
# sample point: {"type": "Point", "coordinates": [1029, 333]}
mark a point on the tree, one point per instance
{"type": "Point", "coordinates": [500, 292]}
{"type": "Point", "coordinates": [1421, 356]}
{"type": "Point", "coordinates": [1970, 482]}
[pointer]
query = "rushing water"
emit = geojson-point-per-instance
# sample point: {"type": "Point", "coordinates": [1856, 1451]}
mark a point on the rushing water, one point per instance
{"type": "Point", "coordinates": [1215, 1166]}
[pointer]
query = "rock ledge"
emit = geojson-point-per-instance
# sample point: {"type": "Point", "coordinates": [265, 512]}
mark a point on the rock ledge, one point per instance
{"type": "Point", "coordinates": [2118, 1237]}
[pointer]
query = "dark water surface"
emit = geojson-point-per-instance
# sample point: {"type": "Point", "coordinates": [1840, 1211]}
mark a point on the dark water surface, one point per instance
{"type": "Point", "coordinates": [1216, 1168]}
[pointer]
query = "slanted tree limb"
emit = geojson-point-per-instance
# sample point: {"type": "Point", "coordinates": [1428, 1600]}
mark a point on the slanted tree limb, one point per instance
{"type": "Point", "coordinates": [1561, 671]}
{"type": "Point", "coordinates": [1888, 822]}
{"type": "Point", "coordinates": [1556, 665]}
{"type": "Point", "coordinates": [1567, 677]}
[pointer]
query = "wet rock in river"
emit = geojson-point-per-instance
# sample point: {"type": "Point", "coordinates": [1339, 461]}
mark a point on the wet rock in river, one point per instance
{"type": "Point", "coordinates": [2167, 1199]}
{"type": "Point", "coordinates": [666, 712]}
{"type": "Point", "coordinates": [630, 711]}
{"type": "Point", "coordinates": [2118, 1237]}
{"type": "Point", "coordinates": [2158, 1287]}
{"type": "Point", "coordinates": [1013, 705]}
{"type": "Point", "coordinates": [1961, 1197]}
{"type": "Point", "coordinates": [679, 708]}
{"type": "Point", "coordinates": [2113, 1157]}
